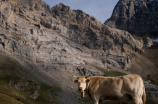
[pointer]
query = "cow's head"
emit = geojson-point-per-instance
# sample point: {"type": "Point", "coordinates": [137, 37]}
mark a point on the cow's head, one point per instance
{"type": "Point", "coordinates": [82, 84]}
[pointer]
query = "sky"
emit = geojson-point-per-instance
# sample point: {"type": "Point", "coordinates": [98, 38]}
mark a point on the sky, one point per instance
{"type": "Point", "coordinates": [100, 9]}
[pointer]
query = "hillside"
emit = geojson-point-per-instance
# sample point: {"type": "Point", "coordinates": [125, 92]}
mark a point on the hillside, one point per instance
{"type": "Point", "coordinates": [41, 47]}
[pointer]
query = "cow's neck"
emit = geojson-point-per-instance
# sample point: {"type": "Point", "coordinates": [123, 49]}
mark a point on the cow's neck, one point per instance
{"type": "Point", "coordinates": [87, 89]}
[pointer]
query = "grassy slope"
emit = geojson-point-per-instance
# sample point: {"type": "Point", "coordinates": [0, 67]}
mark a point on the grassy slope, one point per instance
{"type": "Point", "coordinates": [152, 54]}
{"type": "Point", "coordinates": [16, 88]}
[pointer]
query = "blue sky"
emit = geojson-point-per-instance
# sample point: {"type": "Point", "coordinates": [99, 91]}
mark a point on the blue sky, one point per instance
{"type": "Point", "coordinates": [100, 9]}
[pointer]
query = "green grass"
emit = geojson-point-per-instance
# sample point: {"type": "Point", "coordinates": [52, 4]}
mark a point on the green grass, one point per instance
{"type": "Point", "coordinates": [110, 73]}
{"type": "Point", "coordinates": [8, 100]}
{"type": "Point", "coordinates": [153, 80]}
{"type": "Point", "coordinates": [114, 73]}
{"type": "Point", "coordinates": [16, 88]}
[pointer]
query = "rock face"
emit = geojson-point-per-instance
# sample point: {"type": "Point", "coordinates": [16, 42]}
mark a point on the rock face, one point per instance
{"type": "Point", "coordinates": [136, 16]}
{"type": "Point", "coordinates": [62, 38]}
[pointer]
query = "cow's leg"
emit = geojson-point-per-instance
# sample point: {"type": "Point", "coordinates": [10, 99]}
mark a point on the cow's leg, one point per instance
{"type": "Point", "coordinates": [137, 97]}
{"type": "Point", "coordinates": [138, 100]}
{"type": "Point", "coordinates": [96, 99]}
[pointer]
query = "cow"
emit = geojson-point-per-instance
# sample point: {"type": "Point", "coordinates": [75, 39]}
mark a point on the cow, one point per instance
{"type": "Point", "coordinates": [100, 88]}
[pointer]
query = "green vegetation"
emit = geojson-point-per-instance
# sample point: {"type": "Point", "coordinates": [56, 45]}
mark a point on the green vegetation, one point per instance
{"type": "Point", "coordinates": [8, 100]}
{"type": "Point", "coordinates": [149, 101]}
{"type": "Point", "coordinates": [153, 79]}
{"type": "Point", "coordinates": [129, 102]}
{"type": "Point", "coordinates": [110, 73]}
{"type": "Point", "coordinates": [17, 88]}
{"type": "Point", "coordinates": [114, 73]}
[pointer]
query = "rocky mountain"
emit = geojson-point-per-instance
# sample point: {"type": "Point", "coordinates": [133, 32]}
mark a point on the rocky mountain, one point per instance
{"type": "Point", "coordinates": [51, 44]}
{"type": "Point", "coordinates": [48, 37]}
{"type": "Point", "coordinates": [138, 17]}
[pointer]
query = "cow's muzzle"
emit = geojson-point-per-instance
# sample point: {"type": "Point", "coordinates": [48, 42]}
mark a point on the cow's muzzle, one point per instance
{"type": "Point", "coordinates": [80, 89]}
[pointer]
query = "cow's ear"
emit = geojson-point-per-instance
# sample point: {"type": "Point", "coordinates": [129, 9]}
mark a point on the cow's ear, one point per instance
{"type": "Point", "coordinates": [75, 80]}
{"type": "Point", "coordinates": [87, 80]}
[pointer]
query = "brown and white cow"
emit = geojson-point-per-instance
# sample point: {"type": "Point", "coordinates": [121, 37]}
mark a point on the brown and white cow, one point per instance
{"type": "Point", "coordinates": [100, 88]}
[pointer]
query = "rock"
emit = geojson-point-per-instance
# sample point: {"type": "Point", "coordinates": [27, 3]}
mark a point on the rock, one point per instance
{"type": "Point", "coordinates": [92, 28]}
{"type": "Point", "coordinates": [136, 16]}
{"type": "Point", "coordinates": [43, 14]}
{"type": "Point", "coordinates": [151, 91]}
{"type": "Point", "coordinates": [16, 10]}
{"type": "Point", "coordinates": [89, 71]}
{"type": "Point", "coordinates": [3, 41]}
{"type": "Point", "coordinates": [50, 42]}
{"type": "Point", "coordinates": [47, 24]}
{"type": "Point", "coordinates": [35, 95]}
{"type": "Point", "coordinates": [147, 42]}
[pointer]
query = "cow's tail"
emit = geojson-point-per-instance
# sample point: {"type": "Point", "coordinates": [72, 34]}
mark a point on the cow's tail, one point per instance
{"type": "Point", "coordinates": [144, 96]}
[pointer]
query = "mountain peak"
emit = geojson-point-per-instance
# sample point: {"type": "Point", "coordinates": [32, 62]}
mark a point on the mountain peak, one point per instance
{"type": "Point", "coordinates": [135, 16]}
{"type": "Point", "coordinates": [61, 7]}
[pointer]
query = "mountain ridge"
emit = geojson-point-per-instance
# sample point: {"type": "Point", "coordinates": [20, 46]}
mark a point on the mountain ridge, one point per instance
{"type": "Point", "coordinates": [137, 17]}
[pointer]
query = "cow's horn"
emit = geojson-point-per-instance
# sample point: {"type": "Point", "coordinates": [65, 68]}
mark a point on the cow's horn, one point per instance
{"type": "Point", "coordinates": [88, 76]}
{"type": "Point", "coordinates": [74, 76]}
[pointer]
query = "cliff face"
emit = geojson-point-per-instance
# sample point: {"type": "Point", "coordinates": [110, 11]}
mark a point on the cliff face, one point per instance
{"type": "Point", "coordinates": [50, 37]}
{"type": "Point", "coordinates": [136, 16]}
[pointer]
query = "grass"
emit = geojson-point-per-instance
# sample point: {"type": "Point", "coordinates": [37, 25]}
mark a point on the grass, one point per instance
{"type": "Point", "coordinates": [130, 102]}
{"type": "Point", "coordinates": [110, 73]}
{"type": "Point", "coordinates": [17, 88]}
{"type": "Point", "coordinates": [153, 79]}
{"type": "Point", "coordinates": [8, 100]}
{"type": "Point", "coordinates": [114, 73]}
{"type": "Point", "coordinates": [149, 101]}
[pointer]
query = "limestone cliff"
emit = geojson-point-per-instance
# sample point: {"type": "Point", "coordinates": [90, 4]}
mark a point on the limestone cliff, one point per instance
{"type": "Point", "coordinates": [136, 16]}
{"type": "Point", "coordinates": [59, 37]}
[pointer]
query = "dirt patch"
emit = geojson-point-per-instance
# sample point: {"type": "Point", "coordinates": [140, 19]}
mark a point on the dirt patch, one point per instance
{"type": "Point", "coordinates": [143, 66]}
{"type": "Point", "coordinates": [152, 54]}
